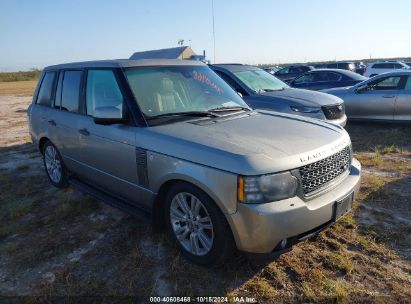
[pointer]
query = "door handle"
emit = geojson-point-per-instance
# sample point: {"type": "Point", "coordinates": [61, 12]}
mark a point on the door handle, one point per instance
{"type": "Point", "coordinates": [388, 96]}
{"type": "Point", "coordinates": [52, 122]}
{"type": "Point", "coordinates": [84, 132]}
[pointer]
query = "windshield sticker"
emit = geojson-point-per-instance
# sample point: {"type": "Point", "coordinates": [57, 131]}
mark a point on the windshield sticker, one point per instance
{"type": "Point", "coordinates": [198, 76]}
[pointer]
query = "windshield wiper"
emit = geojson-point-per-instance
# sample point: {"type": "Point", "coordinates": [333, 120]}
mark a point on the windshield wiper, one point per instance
{"type": "Point", "coordinates": [232, 108]}
{"type": "Point", "coordinates": [272, 90]}
{"type": "Point", "coordinates": [188, 113]}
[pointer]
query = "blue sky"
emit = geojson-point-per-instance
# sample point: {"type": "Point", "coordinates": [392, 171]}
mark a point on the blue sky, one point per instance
{"type": "Point", "coordinates": [44, 32]}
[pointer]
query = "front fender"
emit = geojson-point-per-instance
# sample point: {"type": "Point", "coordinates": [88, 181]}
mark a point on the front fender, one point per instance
{"type": "Point", "coordinates": [221, 186]}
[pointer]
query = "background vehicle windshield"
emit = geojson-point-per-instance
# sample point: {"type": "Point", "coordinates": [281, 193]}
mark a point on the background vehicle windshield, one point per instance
{"type": "Point", "coordinates": [259, 80]}
{"type": "Point", "coordinates": [175, 89]}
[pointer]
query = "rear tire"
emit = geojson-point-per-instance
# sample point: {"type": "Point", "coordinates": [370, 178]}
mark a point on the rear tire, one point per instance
{"type": "Point", "coordinates": [198, 226]}
{"type": "Point", "coordinates": [54, 166]}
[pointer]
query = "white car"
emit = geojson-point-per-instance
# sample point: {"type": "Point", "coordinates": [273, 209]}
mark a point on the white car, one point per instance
{"type": "Point", "coordinates": [384, 67]}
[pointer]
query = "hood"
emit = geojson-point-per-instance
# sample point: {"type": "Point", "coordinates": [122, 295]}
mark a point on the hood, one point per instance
{"type": "Point", "coordinates": [306, 96]}
{"type": "Point", "coordinates": [248, 144]}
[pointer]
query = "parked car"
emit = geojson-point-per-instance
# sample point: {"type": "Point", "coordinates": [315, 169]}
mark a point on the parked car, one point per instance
{"type": "Point", "coordinates": [289, 73]}
{"type": "Point", "coordinates": [326, 78]}
{"type": "Point", "coordinates": [272, 70]}
{"type": "Point", "coordinates": [377, 68]}
{"type": "Point", "coordinates": [342, 65]}
{"type": "Point", "coordinates": [263, 91]}
{"type": "Point", "coordinates": [170, 140]}
{"type": "Point", "coordinates": [383, 97]}
{"type": "Point", "coordinates": [360, 68]}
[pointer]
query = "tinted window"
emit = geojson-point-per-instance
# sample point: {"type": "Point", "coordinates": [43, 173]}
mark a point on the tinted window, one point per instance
{"type": "Point", "coordinates": [398, 66]}
{"type": "Point", "coordinates": [295, 70]}
{"type": "Point", "coordinates": [103, 91]}
{"type": "Point", "coordinates": [70, 94]}
{"type": "Point", "coordinates": [46, 89]}
{"type": "Point", "coordinates": [332, 76]}
{"type": "Point", "coordinates": [332, 66]}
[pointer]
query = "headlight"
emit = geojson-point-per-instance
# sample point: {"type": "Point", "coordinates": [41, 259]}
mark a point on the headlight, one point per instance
{"type": "Point", "coordinates": [266, 188]}
{"type": "Point", "coordinates": [303, 109]}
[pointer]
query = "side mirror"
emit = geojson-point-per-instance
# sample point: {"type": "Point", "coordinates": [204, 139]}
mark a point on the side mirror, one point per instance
{"type": "Point", "coordinates": [108, 116]}
{"type": "Point", "coordinates": [361, 88]}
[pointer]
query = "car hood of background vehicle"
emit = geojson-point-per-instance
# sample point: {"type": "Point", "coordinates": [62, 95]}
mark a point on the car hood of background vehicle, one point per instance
{"type": "Point", "coordinates": [256, 144]}
{"type": "Point", "coordinates": [314, 97]}
{"type": "Point", "coordinates": [337, 91]}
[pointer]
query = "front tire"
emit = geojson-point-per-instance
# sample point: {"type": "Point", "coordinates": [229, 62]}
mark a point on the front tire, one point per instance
{"type": "Point", "coordinates": [198, 226]}
{"type": "Point", "coordinates": [54, 166]}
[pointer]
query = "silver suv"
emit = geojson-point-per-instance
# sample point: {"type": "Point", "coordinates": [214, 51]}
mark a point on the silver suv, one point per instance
{"type": "Point", "coordinates": [170, 140]}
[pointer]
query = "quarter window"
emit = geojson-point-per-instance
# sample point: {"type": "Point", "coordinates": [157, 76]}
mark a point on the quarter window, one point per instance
{"type": "Point", "coordinates": [103, 92]}
{"type": "Point", "coordinates": [71, 91]}
{"type": "Point", "coordinates": [46, 89]}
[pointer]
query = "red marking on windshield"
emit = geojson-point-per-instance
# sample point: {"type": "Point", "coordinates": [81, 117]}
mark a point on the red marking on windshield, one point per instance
{"type": "Point", "coordinates": [204, 79]}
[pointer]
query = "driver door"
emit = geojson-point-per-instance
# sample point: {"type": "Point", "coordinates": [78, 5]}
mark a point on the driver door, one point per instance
{"type": "Point", "coordinates": [108, 155]}
{"type": "Point", "coordinates": [376, 100]}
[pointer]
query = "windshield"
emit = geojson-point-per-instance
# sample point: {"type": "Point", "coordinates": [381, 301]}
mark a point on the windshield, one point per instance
{"type": "Point", "coordinates": [260, 81]}
{"type": "Point", "coordinates": [160, 91]}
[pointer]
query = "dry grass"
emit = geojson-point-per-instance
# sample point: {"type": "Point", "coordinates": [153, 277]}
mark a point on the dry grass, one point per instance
{"type": "Point", "coordinates": [18, 88]}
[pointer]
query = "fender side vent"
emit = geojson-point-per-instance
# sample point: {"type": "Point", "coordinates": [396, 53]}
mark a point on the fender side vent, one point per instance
{"type": "Point", "coordinates": [141, 161]}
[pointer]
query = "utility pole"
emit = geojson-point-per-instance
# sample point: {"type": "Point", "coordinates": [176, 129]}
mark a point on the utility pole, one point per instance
{"type": "Point", "coordinates": [212, 11]}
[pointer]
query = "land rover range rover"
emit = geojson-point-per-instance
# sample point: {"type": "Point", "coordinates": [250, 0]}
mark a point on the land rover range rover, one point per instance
{"type": "Point", "coordinates": [170, 140]}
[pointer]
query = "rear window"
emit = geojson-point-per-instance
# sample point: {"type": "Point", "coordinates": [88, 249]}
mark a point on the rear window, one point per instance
{"type": "Point", "coordinates": [71, 91]}
{"type": "Point", "coordinates": [46, 89]}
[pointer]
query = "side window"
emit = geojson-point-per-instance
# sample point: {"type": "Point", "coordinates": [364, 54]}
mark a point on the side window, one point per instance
{"type": "Point", "coordinates": [387, 83]}
{"type": "Point", "coordinates": [70, 94]}
{"type": "Point", "coordinates": [305, 78]}
{"type": "Point", "coordinates": [103, 92]}
{"type": "Point", "coordinates": [332, 66]}
{"type": "Point", "coordinates": [333, 77]}
{"type": "Point", "coordinates": [46, 89]}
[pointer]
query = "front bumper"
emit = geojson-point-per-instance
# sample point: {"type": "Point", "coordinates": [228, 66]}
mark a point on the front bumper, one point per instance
{"type": "Point", "coordinates": [260, 228]}
{"type": "Point", "coordinates": [340, 121]}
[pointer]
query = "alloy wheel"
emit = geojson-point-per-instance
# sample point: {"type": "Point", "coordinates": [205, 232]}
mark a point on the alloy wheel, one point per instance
{"type": "Point", "coordinates": [53, 164]}
{"type": "Point", "coordinates": [191, 224]}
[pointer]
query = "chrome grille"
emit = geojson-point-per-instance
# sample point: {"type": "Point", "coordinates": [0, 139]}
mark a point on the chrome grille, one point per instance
{"type": "Point", "coordinates": [318, 174]}
{"type": "Point", "coordinates": [334, 111]}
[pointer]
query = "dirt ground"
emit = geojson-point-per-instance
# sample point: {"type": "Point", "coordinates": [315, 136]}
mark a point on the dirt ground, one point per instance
{"type": "Point", "coordinates": [62, 243]}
